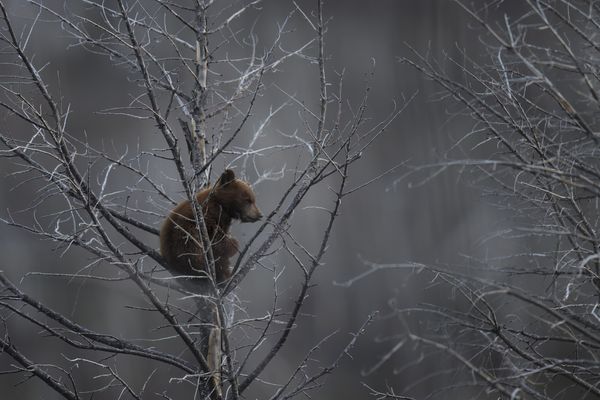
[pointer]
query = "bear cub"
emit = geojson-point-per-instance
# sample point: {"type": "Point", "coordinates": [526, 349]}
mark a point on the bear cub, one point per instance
{"type": "Point", "coordinates": [180, 241]}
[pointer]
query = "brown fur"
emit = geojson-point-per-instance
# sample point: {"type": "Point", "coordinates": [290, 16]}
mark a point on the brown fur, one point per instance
{"type": "Point", "coordinates": [180, 241]}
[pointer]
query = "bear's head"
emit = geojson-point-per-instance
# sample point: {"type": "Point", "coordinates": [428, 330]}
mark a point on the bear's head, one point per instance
{"type": "Point", "coordinates": [236, 197]}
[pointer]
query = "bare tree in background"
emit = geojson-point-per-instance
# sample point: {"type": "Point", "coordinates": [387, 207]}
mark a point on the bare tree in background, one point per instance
{"type": "Point", "coordinates": [524, 325]}
{"type": "Point", "coordinates": [199, 73]}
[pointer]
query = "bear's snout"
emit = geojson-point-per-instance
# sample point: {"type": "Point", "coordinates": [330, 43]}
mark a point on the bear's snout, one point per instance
{"type": "Point", "coordinates": [252, 215]}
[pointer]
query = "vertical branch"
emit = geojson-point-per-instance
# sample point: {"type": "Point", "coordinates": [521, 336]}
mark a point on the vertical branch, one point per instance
{"type": "Point", "coordinates": [209, 308]}
{"type": "Point", "coordinates": [322, 78]}
{"type": "Point", "coordinates": [200, 92]}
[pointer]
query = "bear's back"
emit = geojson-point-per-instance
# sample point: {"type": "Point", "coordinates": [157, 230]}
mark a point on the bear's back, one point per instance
{"type": "Point", "coordinates": [180, 243]}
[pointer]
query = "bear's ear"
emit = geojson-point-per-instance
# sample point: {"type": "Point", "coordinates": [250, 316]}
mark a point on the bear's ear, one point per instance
{"type": "Point", "coordinates": [226, 177]}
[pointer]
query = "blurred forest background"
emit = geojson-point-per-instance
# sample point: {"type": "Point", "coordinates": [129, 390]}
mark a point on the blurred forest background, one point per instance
{"type": "Point", "coordinates": [444, 219]}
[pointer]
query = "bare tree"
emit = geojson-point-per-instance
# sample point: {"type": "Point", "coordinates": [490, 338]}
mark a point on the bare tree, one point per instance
{"type": "Point", "coordinates": [199, 70]}
{"type": "Point", "coordinates": [522, 325]}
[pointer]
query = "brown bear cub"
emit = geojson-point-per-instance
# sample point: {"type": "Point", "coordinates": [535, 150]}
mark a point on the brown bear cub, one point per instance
{"type": "Point", "coordinates": [180, 241]}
